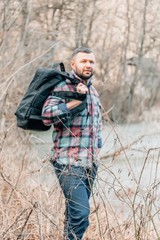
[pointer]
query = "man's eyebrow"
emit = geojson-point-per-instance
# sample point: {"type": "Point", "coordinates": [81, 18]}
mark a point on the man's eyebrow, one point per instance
{"type": "Point", "coordinates": [84, 59]}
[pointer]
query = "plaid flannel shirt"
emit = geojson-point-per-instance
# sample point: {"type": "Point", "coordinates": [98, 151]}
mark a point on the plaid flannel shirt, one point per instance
{"type": "Point", "coordinates": [75, 139]}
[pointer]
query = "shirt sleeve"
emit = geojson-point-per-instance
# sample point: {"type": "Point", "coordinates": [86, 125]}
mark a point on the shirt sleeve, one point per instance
{"type": "Point", "coordinates": [54, 111]}
{"type": "Point", "coordinates": [100, 128]}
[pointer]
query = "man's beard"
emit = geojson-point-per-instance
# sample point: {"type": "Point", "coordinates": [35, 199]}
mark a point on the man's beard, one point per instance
{"type": "Point", "coordinates": [85, 77]}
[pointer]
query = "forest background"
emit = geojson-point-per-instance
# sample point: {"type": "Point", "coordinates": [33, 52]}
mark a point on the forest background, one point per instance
{"type": "Point", "coordinates": [125, 37]}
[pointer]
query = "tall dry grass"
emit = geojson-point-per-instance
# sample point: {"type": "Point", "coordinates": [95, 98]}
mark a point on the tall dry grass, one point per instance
{"type": "Point", "coordinates": [32, 204]}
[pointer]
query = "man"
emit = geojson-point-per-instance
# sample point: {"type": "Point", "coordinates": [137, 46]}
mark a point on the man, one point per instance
{"type": "Point", "coordinates": [77, 140]}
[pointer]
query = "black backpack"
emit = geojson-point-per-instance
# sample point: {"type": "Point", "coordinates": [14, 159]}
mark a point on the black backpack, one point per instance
{"type": "Point", "coordinates": [29, 110]}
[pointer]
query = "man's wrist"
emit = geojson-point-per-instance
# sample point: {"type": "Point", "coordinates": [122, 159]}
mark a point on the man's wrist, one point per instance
{"type": "Point", "coordinates": [72, 104]}
{"type": "Point", "coordinates": [63, 107]}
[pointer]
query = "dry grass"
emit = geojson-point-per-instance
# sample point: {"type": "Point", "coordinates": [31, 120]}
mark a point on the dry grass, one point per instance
{"type": "Point", "coordinates": [32, 204]}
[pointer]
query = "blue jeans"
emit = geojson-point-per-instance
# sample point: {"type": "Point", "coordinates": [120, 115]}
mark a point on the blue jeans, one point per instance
{"type": "Point", "coordinates": [76, 183]}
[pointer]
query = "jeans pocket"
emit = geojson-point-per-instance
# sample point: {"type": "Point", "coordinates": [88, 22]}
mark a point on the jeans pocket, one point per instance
{"type": "Point", "coordinates": [58, 168]}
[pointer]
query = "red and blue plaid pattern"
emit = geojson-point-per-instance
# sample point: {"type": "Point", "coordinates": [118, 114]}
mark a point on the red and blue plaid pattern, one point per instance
{"type": "Point", "coordinates": [75, 139]}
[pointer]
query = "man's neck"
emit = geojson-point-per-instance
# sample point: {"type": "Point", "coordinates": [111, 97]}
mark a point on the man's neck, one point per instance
{"type": "Point", "coordinates": [85, 81]}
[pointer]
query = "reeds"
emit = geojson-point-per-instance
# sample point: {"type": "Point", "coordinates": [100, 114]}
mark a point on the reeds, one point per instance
{"type": "Point", "coordinates": [124, 205]}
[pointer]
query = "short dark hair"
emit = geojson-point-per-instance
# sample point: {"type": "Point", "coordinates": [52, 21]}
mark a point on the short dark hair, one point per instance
{"type": "Point", "coordinates": [81, 49]}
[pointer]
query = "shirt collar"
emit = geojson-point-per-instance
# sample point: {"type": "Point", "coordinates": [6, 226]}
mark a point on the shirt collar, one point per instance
{"type": "Point", "coordinates": [89, 81]}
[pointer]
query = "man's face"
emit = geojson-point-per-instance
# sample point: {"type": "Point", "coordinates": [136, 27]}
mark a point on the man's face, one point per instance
{"type": "Point", "coordinates": [83, 65]}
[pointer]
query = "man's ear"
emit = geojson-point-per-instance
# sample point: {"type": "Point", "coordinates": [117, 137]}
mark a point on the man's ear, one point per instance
{"type": "Point", "coordinates": [72, 64]}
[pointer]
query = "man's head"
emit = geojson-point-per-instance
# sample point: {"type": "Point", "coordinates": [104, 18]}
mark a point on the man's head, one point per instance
{"type": "Point", "coordinates": [83, 62]}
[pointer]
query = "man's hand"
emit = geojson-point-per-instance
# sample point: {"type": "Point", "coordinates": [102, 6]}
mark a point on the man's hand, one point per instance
{"type": "Point", "coordinates": [81, 88]}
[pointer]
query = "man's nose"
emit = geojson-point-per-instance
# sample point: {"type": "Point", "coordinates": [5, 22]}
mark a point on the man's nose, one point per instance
{"type": "Point", "coordinates": [88, 64]}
